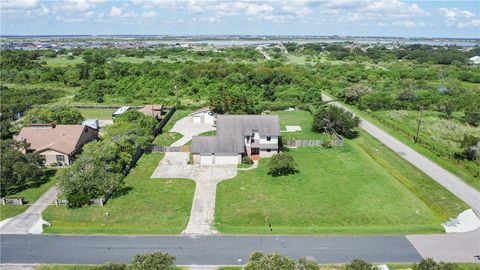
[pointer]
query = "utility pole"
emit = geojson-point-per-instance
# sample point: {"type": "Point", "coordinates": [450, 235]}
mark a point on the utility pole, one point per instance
{"type": "Point", "coordinates": [419, 124]}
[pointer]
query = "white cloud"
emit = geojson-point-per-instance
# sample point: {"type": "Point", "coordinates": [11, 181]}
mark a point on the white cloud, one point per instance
{"type": "Point", "coordinates": [18, 4]}
{"type": "Point", "coordinates": [459, 18]}
{"type": "Point", "coordinates": [79, 5]}
{"type": "Point", "coordinates": [115, 11]}
{"type": "Point", "coordinates": [149, 14]}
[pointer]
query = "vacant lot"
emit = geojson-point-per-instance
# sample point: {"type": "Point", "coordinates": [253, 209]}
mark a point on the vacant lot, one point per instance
{"type": "Point", "coordinates": [440, 138]}
{"type": "Point", "coordinates": [102, 114]}
{"type": "Point", "coordinates": [29, 195]}
{"type": "Point", "coordinates": [358, 188]}
{"type": "Point", "coordinates": [144, 206]}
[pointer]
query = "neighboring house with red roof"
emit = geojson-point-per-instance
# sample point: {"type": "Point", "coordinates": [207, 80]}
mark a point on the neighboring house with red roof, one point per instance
{"type": "Point", "coordinates": [56, 143]}
{"type": "Point", "coordinates": [154, 111]}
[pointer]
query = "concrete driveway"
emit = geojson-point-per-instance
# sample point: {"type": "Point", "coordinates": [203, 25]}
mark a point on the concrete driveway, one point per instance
{"type": "Point", "coordinates": [31, 220]}
{"type": "Point", "coordinates": [189, 129]}
{"type": "Point", "coordinates": [206, 179]}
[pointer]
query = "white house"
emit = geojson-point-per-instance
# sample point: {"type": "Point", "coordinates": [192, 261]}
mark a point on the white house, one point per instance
{"type": "Point", "coordinates": [203, 115]}
{"type": "Point", "coordinates": [475, 60]}
{"type": "Point", "coordinates": [255, 136]}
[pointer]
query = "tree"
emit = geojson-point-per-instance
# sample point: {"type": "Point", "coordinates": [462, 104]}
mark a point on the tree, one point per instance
{"type": "Point", "coordinates": [275, 261]}
{"type": "Point", "coordinates": [19, 170]}
{"type": "Point", "coordinates": [153, 261]}
{"type": "Point", "coordinates": [282, 164]}
{"type": "Point", "coordinates": [61, 115]}
{"type": "Point", "coordinates": [358, 264]}
{"type": "Point", "coordinates": [333, 118]}
{"type": "Point", "coordinates": [355, 92]}
{"type": "Point", "coordinates": [426, 264]}
{"type": "Point", "coordinates": [231, 100]}
{"type": "Point", "coordinates": [471, 146]}
{"type": "Point", "coordinates": [87, 179]}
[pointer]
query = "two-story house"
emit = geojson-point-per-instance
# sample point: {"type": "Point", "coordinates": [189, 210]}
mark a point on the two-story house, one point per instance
{"type": "Point", "coordinates": [255, 136]}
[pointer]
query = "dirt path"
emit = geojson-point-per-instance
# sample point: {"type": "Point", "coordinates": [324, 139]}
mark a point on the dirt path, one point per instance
{"type": "Point", "coordinates": [437, 173]}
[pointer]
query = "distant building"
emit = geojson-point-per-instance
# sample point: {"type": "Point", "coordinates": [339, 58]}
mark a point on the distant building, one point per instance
{"type": "Point", "coordinates": [56, 143]}
{"type": "Point", "coordinates": [152, 110]}
{"type": "Point", "coordinates": [475, 60]}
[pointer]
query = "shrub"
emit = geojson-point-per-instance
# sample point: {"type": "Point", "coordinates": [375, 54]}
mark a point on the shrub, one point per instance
{"type": "Point", "coordinates": [153, 261]}
{"type": "Point", "coordinates": [259, 261]}
{"type": "Point", "coordinates": [282, 164]}
{"type": "Point", "coordinates": [247, 160]}
{"type": "Point", "coordinates": [357, 264]}
{"type": "Point", "coordinates": [472, 118]}
{"type": "Point", "coordinates": [112, 266]}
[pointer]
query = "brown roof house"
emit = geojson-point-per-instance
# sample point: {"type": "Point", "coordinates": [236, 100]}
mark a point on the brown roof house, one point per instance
{"type": "Point", "coordinates": [154, 111]}
{"type": "Point", "coordinates": [57, 143]}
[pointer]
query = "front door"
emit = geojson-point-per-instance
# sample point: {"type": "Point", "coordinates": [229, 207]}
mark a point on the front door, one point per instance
{"type": "Point", "coordinates": [256, 153]}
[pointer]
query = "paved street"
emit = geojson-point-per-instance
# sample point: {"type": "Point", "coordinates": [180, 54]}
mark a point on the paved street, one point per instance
{"type": "Point", "coordinates": [31, 220]}
{"type": "Point", "coordinates": [437, 173]}
{"type": "Point", "coordinates": [201, 250]}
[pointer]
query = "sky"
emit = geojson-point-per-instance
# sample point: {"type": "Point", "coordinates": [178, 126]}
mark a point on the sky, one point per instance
{"type": "Point", "coordinates": [455, 19]}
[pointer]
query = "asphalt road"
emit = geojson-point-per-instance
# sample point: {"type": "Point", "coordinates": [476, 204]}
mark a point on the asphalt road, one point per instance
{"type": "Point", "coordinates": [202, 250]}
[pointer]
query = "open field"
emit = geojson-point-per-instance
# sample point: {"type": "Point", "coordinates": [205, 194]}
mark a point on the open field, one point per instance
{"type": "Point", "coordinates": [102, 114]}
{"type": "Point", "coordinates": [359, 188]}
{"type": "Point", "coordinates": [143, 206]}
{"type": "Point", "coordinates": [30, 196]}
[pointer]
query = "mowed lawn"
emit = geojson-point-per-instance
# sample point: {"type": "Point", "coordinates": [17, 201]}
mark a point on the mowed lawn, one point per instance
{"type": "Point", "coordinates": [29, 195]}
{"type": "Point", "coordinates": [358, 188]}
{"type": "Point", "coordinates": [298, 118]}
{"type": "Point", "coordinates": [147, 206]}
{"type": "Point", "coordinates": [102, 114]}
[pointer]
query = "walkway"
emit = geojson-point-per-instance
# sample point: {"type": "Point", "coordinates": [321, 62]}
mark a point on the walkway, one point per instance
{"type": "Point", "coordinates": [437, 173]}
{"type": "Point", "coordinates": [31, 220]}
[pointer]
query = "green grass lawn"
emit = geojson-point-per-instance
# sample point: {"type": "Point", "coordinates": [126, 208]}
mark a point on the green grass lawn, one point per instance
{"type": "Point", "coordinates": [30, 196]}
{"type": "Point", "coordinates": [62, 61]}
{"type": "Point", "coordinates": [298, 118]}
{"type": "Point", "coordinates": [148, 206]}
{"type": "Point", "coordinates": [103, 114]}
{"type": "Point", "coordinates": [445, 162]}
{"type": "Point", "coordinates": [359, 188]}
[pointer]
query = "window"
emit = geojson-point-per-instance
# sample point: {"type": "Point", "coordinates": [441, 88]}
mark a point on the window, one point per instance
{"type": "Point", "coordinates": [269, 138]}
{"type": "Point", "coordinates": [60, 158]}
{"type": "Point", "coordinates": [269, 150]}
{"type": "Point", "coordinates": [44, 158]}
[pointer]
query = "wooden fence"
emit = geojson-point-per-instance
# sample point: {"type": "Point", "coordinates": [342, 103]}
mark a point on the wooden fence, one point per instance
{"type": "Point", "coordinates": [165, 149]}
{"type": "Point", "coordinates": [304, 143]}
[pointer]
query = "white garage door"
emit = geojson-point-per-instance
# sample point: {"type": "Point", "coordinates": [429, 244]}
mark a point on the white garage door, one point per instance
{"type": "Point", "coordinates": [197, 119]}
{"type": "Point", "coordinates": [226, 160]}
{"type": "Point", "coordinates": [206, 160]}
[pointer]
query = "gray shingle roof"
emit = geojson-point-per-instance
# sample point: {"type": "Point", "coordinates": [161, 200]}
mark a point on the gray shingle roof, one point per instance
{"type": "Point", "coordinates": [231, 130]}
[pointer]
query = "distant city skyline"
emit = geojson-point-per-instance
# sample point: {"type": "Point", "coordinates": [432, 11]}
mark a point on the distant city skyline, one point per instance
{"type": "Point", "coordinates": [454, 19]}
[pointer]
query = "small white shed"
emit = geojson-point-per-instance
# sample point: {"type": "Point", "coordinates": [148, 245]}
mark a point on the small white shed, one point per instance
{"type": "Point", "coordinates": [203, 115]}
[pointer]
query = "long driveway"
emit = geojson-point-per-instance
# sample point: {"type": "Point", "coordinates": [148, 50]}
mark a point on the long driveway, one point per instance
{"type": "Point", "coordinates": [174, 165]}
{"type": "Point", "coordinates": [31, 220]}
{"type": "Point", "coordinates": [437, 173]}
